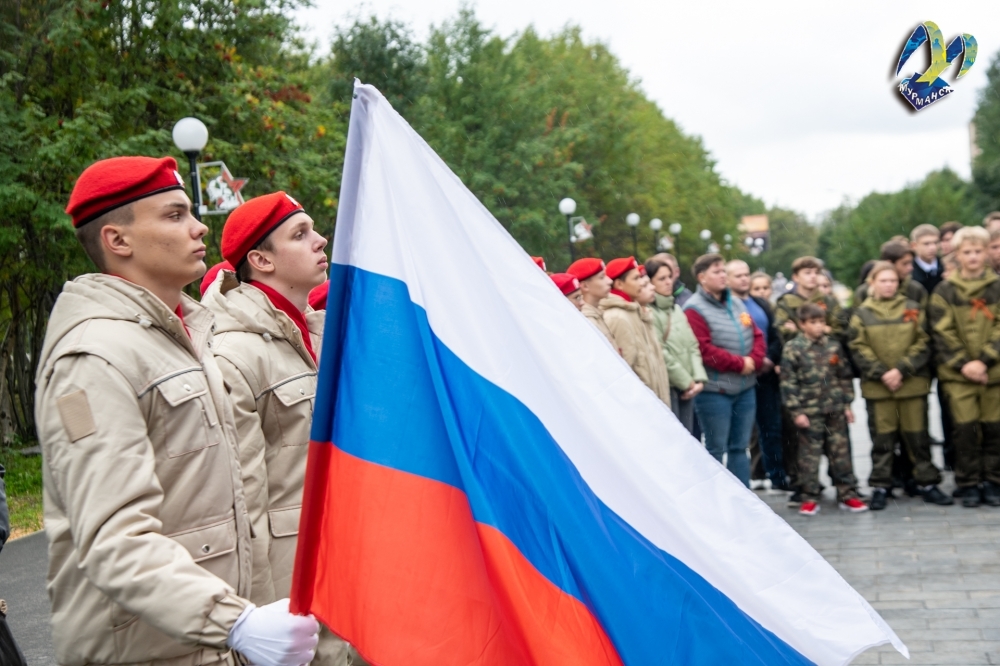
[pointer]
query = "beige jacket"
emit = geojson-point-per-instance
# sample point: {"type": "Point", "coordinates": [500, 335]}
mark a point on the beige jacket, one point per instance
{"type": "Point", "coordinates": [149, 538]}
{"type": "Point", "coordinates": [272, 381]}
{"type": "Point", "coordinates": [632, 330]}
{"type": "Point", "coordinates": [596, 317]}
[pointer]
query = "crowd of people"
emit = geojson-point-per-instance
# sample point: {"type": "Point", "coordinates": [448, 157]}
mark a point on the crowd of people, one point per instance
{"type": "Point", "coordinates": [766, 378]}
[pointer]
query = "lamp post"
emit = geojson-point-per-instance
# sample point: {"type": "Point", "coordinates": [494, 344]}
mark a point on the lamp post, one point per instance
{"type": "Point", "coordinates": [675, 231]}
{"type": "Point", "coordinates": [705, 235]}
{"type": "Point", "coordinates": [190, 136]}
{"type": "Point", "coordinates": [656, 224]}
{"type": "Point", "coordinates": [632, 220]}
{"type": "Point", "coordinates": [567, 207]}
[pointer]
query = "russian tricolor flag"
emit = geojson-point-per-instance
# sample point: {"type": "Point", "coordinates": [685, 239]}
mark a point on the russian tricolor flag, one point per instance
{"type": "Point", "coordinates": [489, 483]}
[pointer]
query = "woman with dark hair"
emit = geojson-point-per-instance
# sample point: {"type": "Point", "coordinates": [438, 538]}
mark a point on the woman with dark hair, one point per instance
{"type": "Point", "coordinates": [680, 347]}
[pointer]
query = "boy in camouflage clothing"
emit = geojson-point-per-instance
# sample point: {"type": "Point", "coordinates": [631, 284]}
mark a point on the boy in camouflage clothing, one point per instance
{"type": "Point", "coordinates": [965, 321]}
{"type": "Point", "coordinates": [816, 388]}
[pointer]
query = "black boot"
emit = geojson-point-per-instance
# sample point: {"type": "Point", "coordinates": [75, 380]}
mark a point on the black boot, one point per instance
{"type": "Point", "coordinates": [878, 500]}
{"type": "Point", "coordinates": [970, 497]}
{"type": "Point", "coordinates": [933, 495]}
{"type": "Point", "coordinates": [911, 488]}
{"type": "Point", "coordinates": [991, 493]}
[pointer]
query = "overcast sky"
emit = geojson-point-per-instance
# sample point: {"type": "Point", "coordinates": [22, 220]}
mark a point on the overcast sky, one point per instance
{"type": "Point", "coordinates": [795, 101]}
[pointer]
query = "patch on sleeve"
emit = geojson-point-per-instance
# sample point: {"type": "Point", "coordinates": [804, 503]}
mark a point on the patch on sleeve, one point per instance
{"type": "Point", "coordinates": [77, 419]}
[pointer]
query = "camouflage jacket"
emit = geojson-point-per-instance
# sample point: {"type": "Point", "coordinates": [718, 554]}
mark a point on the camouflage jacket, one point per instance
{"type": "Point", "coordinates": [788, 304]}
{"type": "Point", "coordinates": [815, 376]}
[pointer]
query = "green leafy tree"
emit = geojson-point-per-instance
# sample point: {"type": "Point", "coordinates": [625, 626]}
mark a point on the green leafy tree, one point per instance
{"type": "Point", "coordinates": [82, 80]}
{"type": "Point", "coordinates": [791, 236]}
{"type": "Point", "coordinates": [851, 235]}
{"type": "Point", "coordinates": [986, 166]}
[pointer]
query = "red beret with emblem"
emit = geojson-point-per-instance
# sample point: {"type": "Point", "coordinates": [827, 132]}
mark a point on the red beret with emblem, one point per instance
{"type": "Point", "coordinates": [118, 181]}
{"type": "Point", "coordinates": [583, 269]}
{"type": "Point", "coordinates": [567, 283]}
{"type": "Point", "coordinates": [619, 267]}
{"type": "Point", "coordinates": [249, 224]}
{"type": "Point", "coordinates": [212, 273]}
{"type": "Point", "coordinates": [539, 261]}
{"type": "Point", "coordinates": [317, 297]}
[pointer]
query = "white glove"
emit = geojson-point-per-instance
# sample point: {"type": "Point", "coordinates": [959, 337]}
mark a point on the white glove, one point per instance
{"type": "Point", "coordinates": [271, 636]}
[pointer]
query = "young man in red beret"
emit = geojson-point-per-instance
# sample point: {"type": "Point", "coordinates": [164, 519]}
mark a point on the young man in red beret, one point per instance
{"type": "Point", "coordinates": [149, 537]}
{"type": "Point", "coordinates": [570, 287]}
{"type": "Point", "coordinates": [631, 324]}
{"type": "Point", "coordinates": [594, 286]}
{"type": "Point", "coordinates": [267, 338]}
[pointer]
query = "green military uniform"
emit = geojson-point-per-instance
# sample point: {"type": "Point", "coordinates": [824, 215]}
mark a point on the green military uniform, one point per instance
{"type": "Point", "coordinates": [911, 289]}
{"type": "Point", "coordinates": [786, 309]}
{"type": "Point", "coordinates": [816, 381]}
{"type": "Point", "coordinates": [885, 335]}
{"type": "Point", "coordinates": [788, 305]}
{"type": "Point", "coordinates": [965, 323]}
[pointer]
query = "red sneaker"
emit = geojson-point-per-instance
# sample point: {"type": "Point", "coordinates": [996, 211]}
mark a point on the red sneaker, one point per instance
{"type": "Point", "coordinates": [810, 508]}
{"type": "Point", "coordinates": [854, 505]}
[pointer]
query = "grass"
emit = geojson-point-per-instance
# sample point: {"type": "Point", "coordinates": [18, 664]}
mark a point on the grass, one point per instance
{"type": "Point", "coordinates": [24, 491]}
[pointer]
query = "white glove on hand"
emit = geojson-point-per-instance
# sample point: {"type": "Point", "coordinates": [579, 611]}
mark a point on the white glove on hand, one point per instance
{"type": "Point", "coordinates": [271, 636]}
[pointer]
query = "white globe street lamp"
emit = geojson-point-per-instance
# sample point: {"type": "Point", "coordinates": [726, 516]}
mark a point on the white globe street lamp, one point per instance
{"type": "Point", "coordinates": [748, 241]}
{"type": "Point", "coordinates": [705, 234]}
{"type": "Point", "coordinates": [632, 220]}
{"type": "Point", "coordinates": [567, 207]}
{"type": "Point", "coordinates": [675, 228]}
{"type": "Point", "coordinates": [190, 136]}
{"type": "Point", "coordinates": [656, 224]}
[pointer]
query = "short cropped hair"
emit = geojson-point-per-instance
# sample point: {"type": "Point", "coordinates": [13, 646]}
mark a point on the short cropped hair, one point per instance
{"type": "Point", "coordinates": [704, 262]}
{"type": "Point", "coordinates": [806, 262]}
{"type": "Point", "coordinates": [950, 228]}
{"type": "Point", "coordinates": [878, 267]}
{"type": "Point", "coordinates": [922, 230]}
{"type": "Point", "coordinates": [995, 234]}
{"type": "Point", "coordinates": [990, 217]}
{"type": "Point", "coordinates": [89, 234]}
{"type": "Point", "coordinates": [894, 251]}
{"type": "Point", "coordinates": [244, 272]}
{"type": "Point", "coordinates": [970, 235]}
{"type": "Point", "coordinates": [760, 275]}
{"type": "Point", "coordinates": [810, 312]}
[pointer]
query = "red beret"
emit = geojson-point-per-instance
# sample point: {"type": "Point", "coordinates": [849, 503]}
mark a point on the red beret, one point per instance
{"type": "Point", "coordinates": [212, 272]}
{"type": "Point", "coordinates": [115, 182]}
{"type": "Point", "coordinates": [585, 268]}
{"type": "Point", "coordinates": [567, 283]}
{"type": "Point", "coordinates": [317, 297]}
{"type": "Point", "coordinates": [621, 266]}
{"type": "Point", "coordinates": [642, 269]}
{"type": "Point", "coordinates": [253, 221]}
{"type": "Point", "coordinates": [539, 261]}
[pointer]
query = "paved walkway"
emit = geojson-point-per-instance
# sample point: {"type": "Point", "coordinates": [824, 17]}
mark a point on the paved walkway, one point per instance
{"type": "Point", "coordinates": [932, 572]}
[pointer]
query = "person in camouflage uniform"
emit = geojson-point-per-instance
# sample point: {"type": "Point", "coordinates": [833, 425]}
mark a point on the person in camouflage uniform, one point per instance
{"type": "Point", "coordinates": [805, 275]}
{"type": "Point", "coordinates": [891, 348]}
{"type": "Point", "coordinates": [900, 255]}
{"type": "Point", "coordinates": [816, 388]}
{"type": "Point", "coordinates": [965, 321]}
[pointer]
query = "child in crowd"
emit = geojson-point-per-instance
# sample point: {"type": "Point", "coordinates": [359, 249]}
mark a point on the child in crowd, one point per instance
{"type": "Point", "coordinates": [569, 285]}
{"type": "Point", "coordinates": [948, 230]}
{"type": "Point", "coordinates": [891, 349]}
{"type": "Point", "coordinates": [824, 283]}
{"type": "Point", "coordinates": [994, 249]}
{"type": "Point", "coordinates": [761, 285]}
{"type": "Point", "coordinates": [900, 255]}
{"type": "Point", "coordinates": [964, 319]}
{"type": "Point", "coordinates": [927, 268]}
{"type": "Point", "coordinates": [816, 388]}
{"type": "Point", "coordinates": [805, 274]}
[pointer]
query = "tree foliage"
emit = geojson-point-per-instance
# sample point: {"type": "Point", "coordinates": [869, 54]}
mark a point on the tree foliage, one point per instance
{"type": "Point", "coordinates": [852, 234]}
{"type": "Point", "coordinates": [986, 166]}
{"type": "Point", "coordinates": [791, 236]}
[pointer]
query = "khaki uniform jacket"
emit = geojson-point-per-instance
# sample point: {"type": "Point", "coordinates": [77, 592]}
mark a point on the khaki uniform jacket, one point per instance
{"type": "Point", "coordinates": [909, 288]}
{"type": "Point", "coordinates": [631, 327]}
{"type": "Point", "coordinates": [272, 381]}
{"type": "Point", "coordinates": [965, 323]}
{"type": "Point", "coordinates": [891, 334]}
{"type": "Point", "coordinates": [787, 307]}
{"type": "Point", "coordinates": [149, 538]}
{"type": "Point", "coordinates": [596, 317]}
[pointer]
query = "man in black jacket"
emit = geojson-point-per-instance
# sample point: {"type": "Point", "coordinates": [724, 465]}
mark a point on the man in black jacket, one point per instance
{"type": "Point", "coordinates": [768, 389]}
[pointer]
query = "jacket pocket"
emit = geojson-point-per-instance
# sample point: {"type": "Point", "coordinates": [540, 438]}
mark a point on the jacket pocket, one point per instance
{"type": "Point", "coordinates": [189, 422]}
{"type": "Point", "coordinates": [284, 522]}
{"type": "Point", "coordinates": [293, 408]}
{"type": "Point", "coordinates": [205, 543]}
